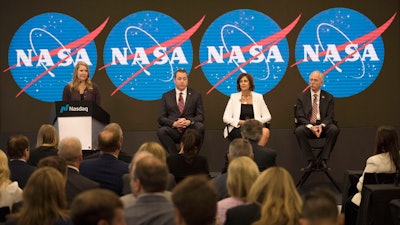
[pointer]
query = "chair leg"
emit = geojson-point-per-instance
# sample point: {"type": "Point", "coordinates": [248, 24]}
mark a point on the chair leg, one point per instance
{"type": "Point", "coordinates": [333, 181]}
{"type": "Point", "coordinates": [303, 179]}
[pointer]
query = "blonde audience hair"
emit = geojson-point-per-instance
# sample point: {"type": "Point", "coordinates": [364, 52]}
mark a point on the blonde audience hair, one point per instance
{"type": "Point", "coordinates": [44, 200]}
{"type": "Point", "coordinates": [47, 136]}
{"type": "Point", "coordinates": [242, 173]}
{"type": "Point", "coordinates": [155, 149]}
{"type": "Point", "coordinates": [4, 170]}
{"type": "Point", "coordinates": [275, 192]}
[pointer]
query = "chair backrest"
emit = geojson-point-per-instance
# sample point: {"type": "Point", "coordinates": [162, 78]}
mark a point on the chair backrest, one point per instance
{"type": "Point", "coordinates": [4, 211]}
{"type": "Point", "coordinates": [379, 178]}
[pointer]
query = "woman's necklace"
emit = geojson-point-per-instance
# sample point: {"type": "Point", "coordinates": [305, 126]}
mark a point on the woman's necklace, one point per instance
{"type": "Point", "coordinates": [246, 98]}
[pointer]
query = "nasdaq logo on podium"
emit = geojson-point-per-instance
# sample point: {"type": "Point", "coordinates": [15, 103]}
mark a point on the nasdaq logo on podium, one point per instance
{"type": "Point", "coordinates": [68, 108]}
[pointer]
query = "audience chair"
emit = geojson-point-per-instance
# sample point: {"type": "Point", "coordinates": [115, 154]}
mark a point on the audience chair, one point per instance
{"type": "Point", "coordinates": [394, 206]}
{"type": "Point", "coordinates": [4, 211]}
{"type": "Point", "coordinates": [316, 146]}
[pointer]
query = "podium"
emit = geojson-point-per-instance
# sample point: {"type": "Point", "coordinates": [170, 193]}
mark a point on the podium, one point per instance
{"type": "Point", "coordinates": [81, 119]}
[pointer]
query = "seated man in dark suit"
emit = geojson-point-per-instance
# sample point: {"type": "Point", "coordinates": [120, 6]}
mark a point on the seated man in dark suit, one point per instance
{"type": "Point", "coordinates": [18, 151]}
{"type": "Point", "coordinates": [70, 149]}
{"type": "Point", "coordinates": [181, 108]}
{"type": "Point", "coordinates": [315, 116]}
{"type": "Point", "coordinates": [107, 170]}
{"type": "Point", "coordinates": [264, 157]}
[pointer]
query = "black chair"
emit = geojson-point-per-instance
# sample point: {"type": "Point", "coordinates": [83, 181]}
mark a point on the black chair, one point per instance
{"type": "Point", "coordinates": [4, 211]}
{"type": "Point", "coordinates": [394, 206]}
{"type": "Point", "coordinates": [317, 146]}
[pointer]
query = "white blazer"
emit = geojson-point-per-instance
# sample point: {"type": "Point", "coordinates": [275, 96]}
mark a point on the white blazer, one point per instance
{"type": "Point", "coordinates": [232, 111]}
{"type": "Point", "coordinates": [380, 163]}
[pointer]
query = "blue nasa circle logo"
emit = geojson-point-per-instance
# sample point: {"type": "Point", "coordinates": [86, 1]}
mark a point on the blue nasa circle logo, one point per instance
{"type": "Point", "coordinates": [335, 42]}
{"type": "Point", "coordinates": [142, 52]}
{"type": "Point", "coordinates": [234, 44]}
{"type": "Point", "coordinates": [43, 53]}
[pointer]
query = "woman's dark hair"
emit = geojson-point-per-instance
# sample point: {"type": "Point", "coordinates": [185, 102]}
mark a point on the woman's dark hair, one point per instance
{"type": "Point", "coordinates": [191, 144]}
{"type": "Point", "coordinates": [249, 77]}
{"type": "Point", "coordinates": [387, 141]}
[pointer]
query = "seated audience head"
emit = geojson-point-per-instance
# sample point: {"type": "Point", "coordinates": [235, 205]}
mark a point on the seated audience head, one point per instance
{"type": "Point", "coordinates": [320, 208]}
{"type": "Point", "coordinates": [387, 141]}
{"type": "Point", "coordinates": [56, 162]}
{"type": "Point", "coordinates": [109, 141]}
{"type": "Point", "coordinates": [156, 149]}
{"type": "Point", "coordinates": [115, 127]}
{"type": "Point", "coordinates": [240, 147]}
{"type": "Point", "coordinates": [149, 175]}
{"type": "Point", "coordinates": [242, 173]}
{"type": "Point", "coordinates": [191, 142]}
{"type": "Point", "coordinates": [4, 170]}
{"type": "Point", "coordinates": [97, 207]}
{"type": "Point", "coordinates": [252, 130]}
{"type": "Point", "coordinates": [70, 149]}
{"type": "Point", "coordinates": [18, 147]}
{"type": "Point", "coordinates": [44, 200]}
{"type": "Point", "coordinates": [275, 192]}
{"type": "Point", "coordinates": [47, 136]}
{"type": "Point", "coordinates": [195, 201]}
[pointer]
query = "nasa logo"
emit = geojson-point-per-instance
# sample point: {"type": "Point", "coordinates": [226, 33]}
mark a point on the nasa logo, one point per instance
{"type": "Point", "coordinates": [244, 41]}
{"type": "Point", "coordinates": [43, 53]}
{"type": "Point", "coordinates": [142, 52]}
{"type": "Point", "coordinates": [346, 46]}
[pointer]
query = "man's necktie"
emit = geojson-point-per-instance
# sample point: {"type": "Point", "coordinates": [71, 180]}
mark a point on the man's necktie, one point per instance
{"type": "Point", "coordinates": [313, 119]}
{"type": "Point", "coordinates": [181, 103]}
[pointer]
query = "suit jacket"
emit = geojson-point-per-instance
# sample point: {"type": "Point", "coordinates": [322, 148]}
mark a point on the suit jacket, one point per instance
{"type": "Point", "coordinates": [20, 171]}
{"type": "Point", "coordinates": [76, 184]}
{"type": "Point", "coordinates": [150, 209]}
{"type": "Point", "coordinates": [304, 107]}
{"type": "Point", "coordinates": [380, 163]}
{"type": "Point", "coordinates": [220, 183]}
{"type": "Point", "coordinates": [243, 214]}
{"type": "Point", "coordinates": [181, 169]}
{"type": "Point", "coordinates": [233, 109]}
{"type": "Point", "coordinates": [169, 111]}
{"type": "Point", "coordinates": [263, 157]}
{"type": "Point", "coordinates": [107, 170]}
{"type": "Point", "coordinates": [74, 95]}
{"type": "Point", "coordinates": [39, 153]}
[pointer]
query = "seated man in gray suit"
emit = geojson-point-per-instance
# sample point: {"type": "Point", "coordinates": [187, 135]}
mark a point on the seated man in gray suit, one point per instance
{"type": "Point", "coordinates": [148, 183]}
{"type": "Point", "coordinates": [181, 108]}
{"type": "Point", "coordinates": [70, 149]}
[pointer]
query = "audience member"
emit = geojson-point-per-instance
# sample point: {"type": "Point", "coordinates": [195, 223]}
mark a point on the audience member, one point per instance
{"type": "Point", "coordinates": [386, 159]}
{"type": "Point", "coordinates": [148, 183]}
{"type": "Point", "coordinates": [10, 193]}
{"type": "Point", "coordinates": [242, 172]}
{"type": "Point", "coordinates": [44, 200]}
{"type": "Point", "coordinates": [107, 170]}
{"type": "Point", "coordinates": [18, 151]}
{"type": "Point", "coordinates": [320, 208]}
{"type": "Point", "coordinates": [97, 207]}
{"type": "Point", "coordinates": [123, 156]}
{"type": "Point", "coordinates": [238, 147]}
{"type": "Point", "coordinates": [195, 201]}
{"type": "Point", "coordinates": [130, 199]}
{"type": "Point", "coordinates": [180, 108]}
{"type": "Point", "coordinates": [56, 162]}
{"type": "Point", "coordinates": [273, 200]}
{"type": "Point", "coordinates": [46, 144]}
{"type": "Point", "coordinates": [70, 149]}
{"type": "Point", "coordinates": [188, 161]}
{"type": "Point", "coordinates": [243, 105]}
{"type": "Point", "coordinates": [264, 157]}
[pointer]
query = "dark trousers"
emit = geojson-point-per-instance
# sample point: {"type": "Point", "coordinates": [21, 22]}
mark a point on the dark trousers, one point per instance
{"type": "Point", "coordinates": [329, 132]}
{"type": "Point", "coordinates": [169, 136]}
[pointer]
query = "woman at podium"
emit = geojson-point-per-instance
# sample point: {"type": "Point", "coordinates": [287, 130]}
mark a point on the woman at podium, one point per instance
{"type": "Point", "coordinates": [81, 88]}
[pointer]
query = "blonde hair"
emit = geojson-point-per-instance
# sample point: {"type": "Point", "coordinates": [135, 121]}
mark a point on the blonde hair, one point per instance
{"type": "Point", "coordinates": [47, 135]}
{"type": "Point", "coordinates": [74, 84]}
{"type": "Point", "coordinates": [275, 192]}
{"type": "Point", "coordinates": [4, 170]}
{"type": "Point", "coordinates": [44, 198]}
{"type": "Point", "coordinates": [242, 173]}
{"type": "Point", "coordinates": [155, 149]}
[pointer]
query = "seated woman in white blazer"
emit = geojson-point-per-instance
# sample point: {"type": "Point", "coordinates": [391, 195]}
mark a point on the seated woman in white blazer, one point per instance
{"type": "Point", "coordinates": [246, 104]}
